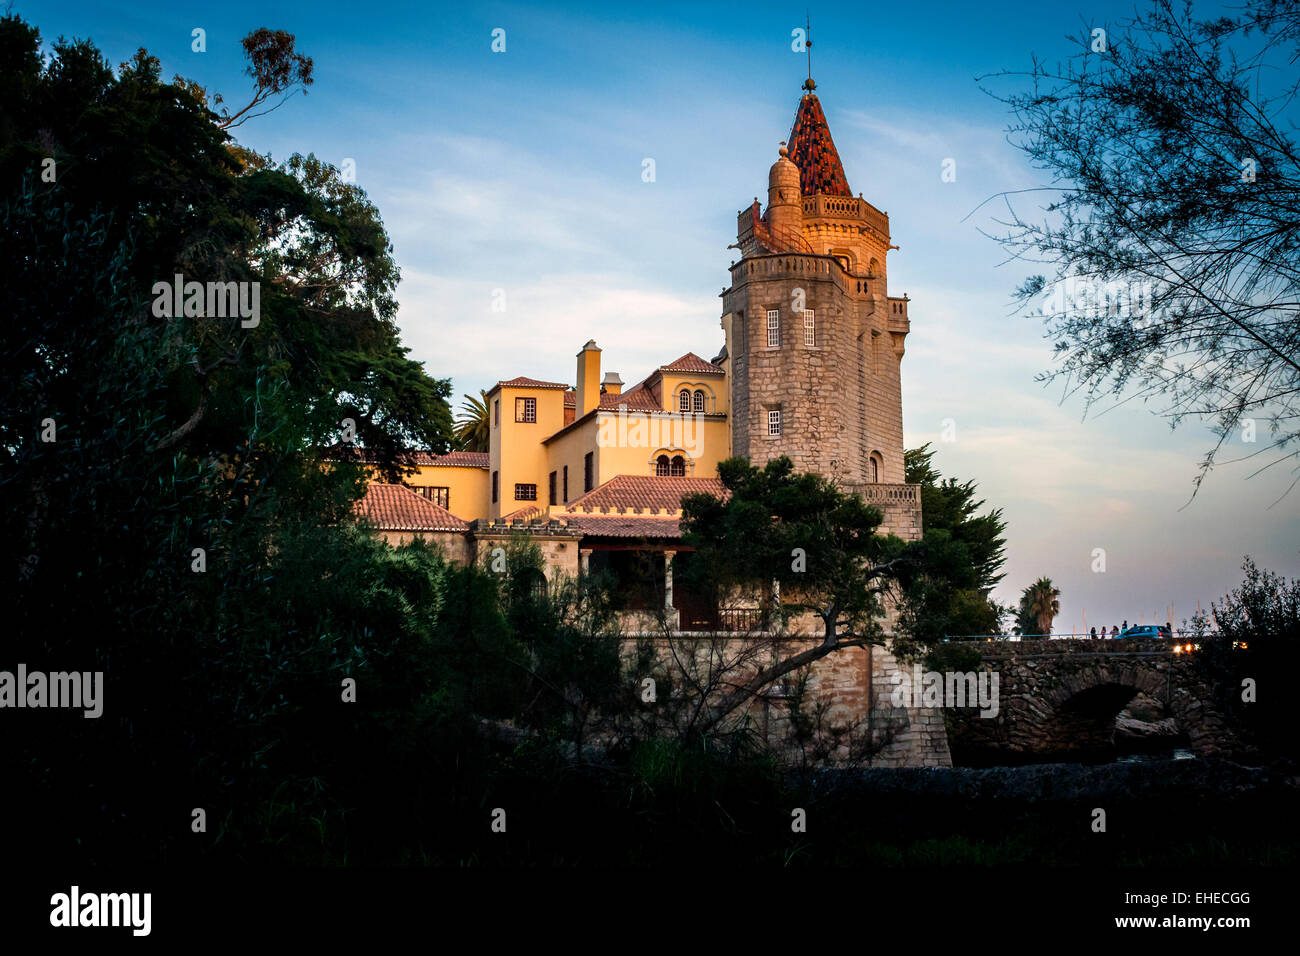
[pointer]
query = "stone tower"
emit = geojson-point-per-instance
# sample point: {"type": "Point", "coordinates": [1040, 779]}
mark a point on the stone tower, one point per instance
{"type": "Point", "coordinates": [814, 341]}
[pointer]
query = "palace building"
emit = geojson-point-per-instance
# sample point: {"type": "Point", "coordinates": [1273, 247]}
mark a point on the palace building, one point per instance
{"type": "Point", "coordinates": [808, 367]}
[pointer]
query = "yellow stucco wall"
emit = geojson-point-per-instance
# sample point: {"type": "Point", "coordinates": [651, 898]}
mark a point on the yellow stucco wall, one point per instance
{"type": "Point", "coordinates": [517, 454]}
{"type": "Point", "coordinates": [469, 489]}
{"type": "Point", "coordinates": [570, 449]}
{"type": "Point", "coordinates": [629, 445]}
{"type": "Point", "coordinates": [714, 388]}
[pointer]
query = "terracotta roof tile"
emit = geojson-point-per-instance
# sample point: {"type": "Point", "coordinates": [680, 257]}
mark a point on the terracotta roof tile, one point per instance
{"type": "Point", "coordinates": [425, 459]}
{"type": "Point", "coordinates": [627, 527]}
{"type": "Point", "coordinates": [813, 151]}
{"type": "Point", "coordinates": [638, 399]}
{"type": "Point", "coordinates": [398, 508]}
{"type": "Point", "coordinates": [453, 459]}
{"type": "Point", "coordinates": [690, 362]}
{"type": "Point", "coordinates": [648, 494]}
{"type": "Point", "coordinates": [525, 382]}
{"type": "Point", "coordinates": [522, 514]}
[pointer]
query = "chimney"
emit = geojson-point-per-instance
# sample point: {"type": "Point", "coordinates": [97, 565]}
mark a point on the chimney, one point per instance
{"type": "Point", "coordinates": [588, 378]}
{"type": "Point", "coordinates": [612, 385]}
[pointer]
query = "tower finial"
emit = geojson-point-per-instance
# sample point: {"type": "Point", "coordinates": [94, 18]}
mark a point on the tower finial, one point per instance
{"type": "Point", "coordinates": [808, 84]}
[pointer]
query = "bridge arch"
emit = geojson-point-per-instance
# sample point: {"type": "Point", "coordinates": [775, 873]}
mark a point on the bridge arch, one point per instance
{"type": "Point", "coordinates": [1059, 697]}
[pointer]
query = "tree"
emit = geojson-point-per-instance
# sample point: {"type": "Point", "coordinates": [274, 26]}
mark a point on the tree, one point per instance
{"type": "Point", "coordinates": [169, 521]}
{"type": "Point", "coordinates": [474, 425]}
{"type": "Point", "coordinates": [964, 551]}
{"type": "Point", "coordinates": [816, 547]}
{"type": "Point", "coordinates": [1174, 219]}
{"type": "Point", "coordinates": [1039, 605]}
{"type": "Point", "coordinates": [572, 643]}
{"type": "Point", "coordinates": [276, 68]}
{"type": "Point", "coordinates": [1248, 642]}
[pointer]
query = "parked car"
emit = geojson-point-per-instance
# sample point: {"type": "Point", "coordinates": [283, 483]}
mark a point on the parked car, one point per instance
{"type": "Point", "coordinates": [1154, 631]}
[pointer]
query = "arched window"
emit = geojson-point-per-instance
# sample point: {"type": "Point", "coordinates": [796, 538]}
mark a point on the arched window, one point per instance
{"type": "Point", "coordinates": [531, 585]}
{"type": "Point", "coordinates": [678, 466]}
{"type": "Point", "coordinates": [699, 400]}
{"type": "Point", "coordinates": [661, 465]}
{"type": "Point", "coordinates": [684, 400]}
{"type": "Point", "coordinates": [873, 470]}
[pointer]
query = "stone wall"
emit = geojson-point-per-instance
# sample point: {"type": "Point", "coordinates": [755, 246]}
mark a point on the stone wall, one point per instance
{"type": "Point", "coordinates": [455, 545]}
{"type": "Point", "coordinates": [899, 505]}
{"type": "Point", "coordinates": [920, 737]}
{"type": "Point", "coordinates": [559, 545]}
{"type": "Point", "coordinates": [856, 686]}
{"type": "Point", "coordinates": [840, 399]}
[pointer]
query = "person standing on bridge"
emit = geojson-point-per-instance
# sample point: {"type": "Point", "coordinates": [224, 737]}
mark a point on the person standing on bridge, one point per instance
{"type": "Point", "coordinates": [1114, 631]}
{"type": "Point", "coordinates": [1093, 633]}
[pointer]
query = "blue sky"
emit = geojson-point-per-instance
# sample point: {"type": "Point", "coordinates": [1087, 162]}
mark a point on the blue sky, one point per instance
{"type": "Point", "coordinates": [521, 171]}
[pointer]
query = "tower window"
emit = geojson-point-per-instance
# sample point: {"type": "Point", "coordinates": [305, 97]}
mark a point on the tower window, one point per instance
{"type": "Point", "coordinates": [496, 412]}
{"type": "Point", "coordinates": [494, 487]}
{"type": "Point", "coordinates": [773, 422]}
{"type": "Point", "coordinates": [678, 466]}
{"type": "Point", "coordinates": [525, 409]}
{"type": "Point", "coordinates": [684, 400]}
{"type": "Point", "coordinates": [566, 484]}
{"type": "Point", "coordinates": [809, 328]}
{"type": "Point", "coordinates": [588, 471]}
{"type": "Point", "coordinates": [550, 489]}
{"type": "Point", "coordinates": [873, 470]}
{"type": "Point", "coordinates": [525, 492]}
{"type": "Point", "coordinates": [661, 465]}
{"type": "Point", "coordinates": [774, 328]}
{"type": "Point", "coordinates": [699, 400]}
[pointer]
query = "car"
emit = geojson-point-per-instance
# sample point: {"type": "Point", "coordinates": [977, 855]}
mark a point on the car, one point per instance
{"type": "Point", "coordinates": [1153, 631]}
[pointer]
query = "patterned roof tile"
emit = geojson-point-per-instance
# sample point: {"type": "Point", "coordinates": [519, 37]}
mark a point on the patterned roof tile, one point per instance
{"type": "Point", "coordinates": [813, 151]}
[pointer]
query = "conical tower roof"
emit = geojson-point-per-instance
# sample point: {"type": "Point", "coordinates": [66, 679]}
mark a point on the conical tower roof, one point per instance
{"type": "Point", "coordinates": [813, 151]}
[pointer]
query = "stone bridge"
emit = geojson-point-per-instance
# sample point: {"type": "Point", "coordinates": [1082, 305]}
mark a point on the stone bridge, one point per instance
{"type": "Point", "coordinates": [1060, 699]}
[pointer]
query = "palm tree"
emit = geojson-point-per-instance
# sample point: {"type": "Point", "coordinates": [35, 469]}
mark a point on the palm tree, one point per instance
{"type": "Point", "coordinates": [473, 424]}
{"type": "Point", "coordinates": [1041, 601]}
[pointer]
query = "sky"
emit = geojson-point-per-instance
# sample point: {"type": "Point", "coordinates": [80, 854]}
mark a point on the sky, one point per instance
{"type": "Point", "coordinates": [521, 171]}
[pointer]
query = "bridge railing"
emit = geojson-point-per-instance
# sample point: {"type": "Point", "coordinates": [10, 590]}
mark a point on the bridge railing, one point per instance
{"type": "Point", "coordinates": [1037, 637]}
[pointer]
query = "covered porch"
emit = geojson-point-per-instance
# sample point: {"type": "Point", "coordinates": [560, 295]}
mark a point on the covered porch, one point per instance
{"type": "Point", "coordinates": [650, 577]}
